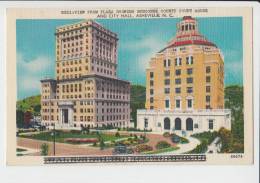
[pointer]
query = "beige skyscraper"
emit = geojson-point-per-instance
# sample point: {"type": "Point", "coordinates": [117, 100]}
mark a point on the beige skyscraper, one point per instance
{"type": "Point", "coordinates": [86, 91]}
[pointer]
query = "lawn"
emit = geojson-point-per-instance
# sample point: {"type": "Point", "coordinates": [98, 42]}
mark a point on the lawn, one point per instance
{"type": "Point", "coordinates": [20, 150]}
{"type": "Point", "coordinates": [61, 136]}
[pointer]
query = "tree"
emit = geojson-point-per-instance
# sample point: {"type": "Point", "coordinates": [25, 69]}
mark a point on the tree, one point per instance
{"type": "Point", "coordinates": [101, 144]}
{"type": "Point", "coordinates": [226, 139]}
{"type": "Point", "coordinates": [19, 118]}
{"type": "Point", "coordinates": [44, 149]}
{"type": "Point", "coordinates": [137, 100]}
{"type": "Point", "coordinates": [234, 100]}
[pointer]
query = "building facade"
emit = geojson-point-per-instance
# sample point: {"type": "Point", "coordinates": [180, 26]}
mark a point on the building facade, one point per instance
{"type": "Point", "coordinates": [86, 91]}
{"type": "Point", "coordinates": [185, 85]}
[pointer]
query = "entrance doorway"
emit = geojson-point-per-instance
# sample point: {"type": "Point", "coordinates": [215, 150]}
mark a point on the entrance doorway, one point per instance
{"type": "Point", "coordinates": [167, 125]}
{"type": "Point", "coordinates": [65, 115]}
{"type": "Point", "coordinates": [189, 124]}
{"type": "Point", "coordinates": [177, 124]}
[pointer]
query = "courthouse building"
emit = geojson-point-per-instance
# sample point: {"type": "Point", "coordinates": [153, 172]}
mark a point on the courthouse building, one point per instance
{"type": "Point", "coordinates": [86, 91]}
{"type": "Point", "coordinates": [185, 85]}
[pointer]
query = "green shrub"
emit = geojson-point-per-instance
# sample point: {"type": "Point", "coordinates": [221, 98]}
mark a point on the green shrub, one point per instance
{"type": "Point", "coordinates": [127, 142]}
{"type": "Point", "coordinates": [184, 140]}
{"type": "Point", "coordinates": [117, 134]}
{"type": "Point", "coordinates": [143, 137]}
{"type": "Point", "coordinates": [143, 148]}
{"type": "Point", "coordinates": [208, 136]}
{"type": "Point", "coordinates": [166, 134]}
{"type": "Point", "coordinates": [85, 130]}
{"type": "Point", "coordinates": [162, 145]}
{"type": "Point", "coordinates": [44, 149]}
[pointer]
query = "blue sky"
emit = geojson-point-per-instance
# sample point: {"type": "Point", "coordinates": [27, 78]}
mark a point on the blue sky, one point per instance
{"type": "Point", "coordinates": [139, 40]}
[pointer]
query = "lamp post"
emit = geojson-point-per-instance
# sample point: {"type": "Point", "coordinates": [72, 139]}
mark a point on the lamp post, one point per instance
{"type": "Point", "coordinates": [53, 134]}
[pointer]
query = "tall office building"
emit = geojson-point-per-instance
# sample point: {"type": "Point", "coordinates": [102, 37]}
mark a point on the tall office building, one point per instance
{"type": "Point", "coordinates": [86, 91]}
{"type": "Point", "coordinates": [185, 85]}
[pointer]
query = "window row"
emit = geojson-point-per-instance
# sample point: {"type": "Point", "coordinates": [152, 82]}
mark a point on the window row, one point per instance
{"type": "Point", "coordinates": [112, 117]}
{"type": "Point", "coordinates": [189, 103]}
{"type": "Point", "coordinates": [112, 110]}
{"type": "Point", "coordinates": [178, 61]}
{"type": "Point", "coordinates": [178, 81]}
{"type": "Point", "coordinates": [71, 62]}
{"type": "Point", "coordinates": [72, 69]}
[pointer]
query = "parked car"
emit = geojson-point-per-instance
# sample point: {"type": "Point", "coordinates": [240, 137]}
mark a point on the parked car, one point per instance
{"type": "Point", "coordinates": [175, 139]}
{"type": "Point", "coordinates": [122, 149]}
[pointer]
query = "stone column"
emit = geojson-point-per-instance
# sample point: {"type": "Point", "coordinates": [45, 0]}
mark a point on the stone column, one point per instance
{"type": "Point", "coordinates": [70, 116]}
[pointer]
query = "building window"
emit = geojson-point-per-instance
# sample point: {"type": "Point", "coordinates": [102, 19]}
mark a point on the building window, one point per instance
{"type": "Point", "coordinates": [207, 98]}
{"type": "Point", "coordinates": [177, 90]}
{"type": "Point", "coordinates": [151, 100]}
{"type": "Point", "coordinates": [189, 80]}
{"type": "Point", "coordinates": [151, 74]}
{"type": "Point", "coordinates": [151, 82]}
{"type": "Point", "coordinates": [166, 73]}
{"type": "Point", "coordinates": [208, 69]}
{"type": "Point", "coordinates": [167, 63]}
{"type": "Point", "coordinates": [178, 103]}
{"type": "Point", "coordinates": [211, 124]}
{"type": "Point", "coordinates": [189, 60]}
{"type": "Point", "coordinates": [167, 104]}
{"type": "Point", "coordinates": [177, 61]}
{"type": "Point", "coordinates": [166, 90]}
{"type": "Point", "coordinates": [159, 125]}
{"type": "Point", "coordinates": [189, 89]}
{"type": "Point", "coordinates": [207, 88]}
{"type": "Point", "coordinates": [177, 72]}
{"type": "Point", "coordinates": [145, 122]}
{"type": "Point", "coordinates": [189, 71]}
{"type": "Point", "coordinates": [166, 81]}
{"type": "Point", "coordinates": [196, 125]}
{"type": "Point", "coordinates": [178, 81]}
{"type": "Point", "coordinates": [208, 79]}
{"type": "Point", "coordinates": [151, 91]}
{"type": "Point", "coordinates": [189, 103]}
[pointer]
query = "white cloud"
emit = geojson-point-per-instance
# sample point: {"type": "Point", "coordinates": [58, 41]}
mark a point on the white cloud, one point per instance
{"type": "Point", "coordinates": [147, 47]}
{"type": "Point", "coordinates": [36, 65]}
{"type": "Point", "coordinates": [30, 72]}
{"type": "Point", "coordinates": [29, 83]}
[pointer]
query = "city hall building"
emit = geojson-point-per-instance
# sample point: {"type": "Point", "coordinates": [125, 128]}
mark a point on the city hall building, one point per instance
{"type": "Point", "coordinates": [86, 91]}
{"type": "Point", "coordinates": [185, 85]}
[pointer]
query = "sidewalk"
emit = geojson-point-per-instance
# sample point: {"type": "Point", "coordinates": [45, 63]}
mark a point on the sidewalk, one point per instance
{"type": "Point", "coordinates": [193, 142]}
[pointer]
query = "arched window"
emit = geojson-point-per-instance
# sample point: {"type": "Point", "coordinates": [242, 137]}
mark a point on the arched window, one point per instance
{"type": "Point", "coordinates": [189, 124]}
{"type": "Point", "coordinates": [177, 124]}
{"type": "Point", "coordinates": [167, 125]}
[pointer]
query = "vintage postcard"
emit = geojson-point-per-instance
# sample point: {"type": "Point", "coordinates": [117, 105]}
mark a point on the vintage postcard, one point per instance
{"type": "Point", "coordinates": [112, 85]}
